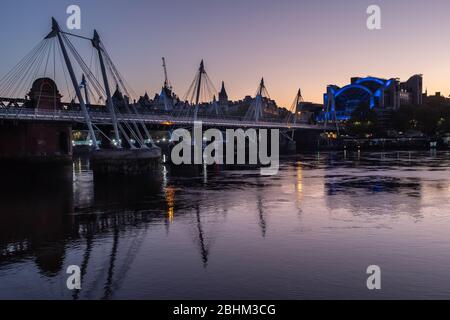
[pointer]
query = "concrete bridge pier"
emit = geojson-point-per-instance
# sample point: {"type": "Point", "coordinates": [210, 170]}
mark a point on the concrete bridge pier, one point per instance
{"type": "Point", "coordinates": [287, 146]}
{"type": "Point", "coordinates": [307, 140]}
{"type": "Point", "coordinates": [125, 161]}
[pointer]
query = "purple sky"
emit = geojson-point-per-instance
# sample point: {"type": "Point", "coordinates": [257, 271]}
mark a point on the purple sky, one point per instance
{"type": "Point", "coordinates": [292, 43]}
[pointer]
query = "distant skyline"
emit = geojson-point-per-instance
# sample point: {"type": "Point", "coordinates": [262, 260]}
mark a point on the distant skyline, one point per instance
{"type": "Point", "coordinates": [291, 43]}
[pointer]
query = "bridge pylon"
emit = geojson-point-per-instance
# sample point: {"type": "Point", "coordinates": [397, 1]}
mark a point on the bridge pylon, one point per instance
{"type": "Point", "coordinates": [56, 32]}
{"type": "Point", "coordinates": [256, 110]}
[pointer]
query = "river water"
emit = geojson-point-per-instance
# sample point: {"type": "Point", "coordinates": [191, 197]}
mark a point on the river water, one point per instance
{"type": "Point", "coordinates": [309, 232]}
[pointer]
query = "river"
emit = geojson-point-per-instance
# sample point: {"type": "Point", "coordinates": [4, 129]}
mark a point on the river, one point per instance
{"type": "Point", "coordinates": [309, 232]}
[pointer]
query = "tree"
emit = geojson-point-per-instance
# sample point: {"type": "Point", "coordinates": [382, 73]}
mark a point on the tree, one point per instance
{"type": "Point", "coordinates": [363, 121]}
{"type": "Point", "coordinates": [429, 119]}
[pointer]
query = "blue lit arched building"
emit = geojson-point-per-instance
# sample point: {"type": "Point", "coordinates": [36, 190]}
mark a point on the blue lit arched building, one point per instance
{"type": "Point", "coordinates": [382, 95]}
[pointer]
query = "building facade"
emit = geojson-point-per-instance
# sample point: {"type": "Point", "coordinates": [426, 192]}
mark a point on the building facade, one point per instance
{"type": "Point", "coordinates": [38, 141]}
{"type": "Point", "coordinates": [382, 95]}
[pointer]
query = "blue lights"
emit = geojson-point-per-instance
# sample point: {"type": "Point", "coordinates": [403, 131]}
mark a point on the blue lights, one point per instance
{"type": "Point", "coordinates": [372, 102]}
{"type": "Point", "coordinates": [381, 82]}
{"type": "Point", "coordinates": [388, 84]}
{"type": "Point", "coordinates": [353, 86]}
{"type": "Point", "coordinates": [342, 102]}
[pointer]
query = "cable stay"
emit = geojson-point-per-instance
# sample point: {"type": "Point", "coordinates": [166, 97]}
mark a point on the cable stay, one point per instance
{"type": "Point", "coordinates": [330, 110]}
{"type": "Point", "coordinates": [56, 32]}
{"type": "Point", "coordinates": [294, 112]}
{"type": "Point", "coordinates": [124, 102]}
{"type": "Point", "coordinates": [199, 97]}
{"type": "Point", "coordinates": [55, 49]}
{"type": "Point", "coordinates": [256, 110]}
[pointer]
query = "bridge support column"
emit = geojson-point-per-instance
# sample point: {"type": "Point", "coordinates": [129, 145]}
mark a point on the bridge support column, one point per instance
{"type": "Point", "coordinates": [307, 140]}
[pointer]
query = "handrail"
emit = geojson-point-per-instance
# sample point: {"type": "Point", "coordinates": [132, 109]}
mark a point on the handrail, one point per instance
{"type": "Point", "coordinates": [70, 115]}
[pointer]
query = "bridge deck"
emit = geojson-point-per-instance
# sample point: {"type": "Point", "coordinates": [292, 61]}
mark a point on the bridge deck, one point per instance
{"type": "Point", "coordinates": [28, 114]}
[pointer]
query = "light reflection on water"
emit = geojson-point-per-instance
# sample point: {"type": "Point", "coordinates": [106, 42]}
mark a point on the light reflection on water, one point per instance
{"type": "Point", "coordinates": [309, 232]}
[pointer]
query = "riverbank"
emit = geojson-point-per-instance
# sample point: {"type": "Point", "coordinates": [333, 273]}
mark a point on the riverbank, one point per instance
{"type": "Point", "coordinates": [384, 144]}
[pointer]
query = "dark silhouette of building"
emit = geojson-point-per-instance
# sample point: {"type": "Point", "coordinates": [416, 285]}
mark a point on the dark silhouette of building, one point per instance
{"type": "Point", "coordinates": [223, 96]}
{"type": "Point", "coordinates": [41, 141]}
{"type": "Point", "coordinates": [414, 88]}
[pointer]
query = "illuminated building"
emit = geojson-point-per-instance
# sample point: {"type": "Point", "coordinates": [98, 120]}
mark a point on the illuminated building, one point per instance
{"type": "Point", "coordinates": [382, 95]}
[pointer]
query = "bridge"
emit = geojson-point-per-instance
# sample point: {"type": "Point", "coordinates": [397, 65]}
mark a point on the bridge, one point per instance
{"type": "Point", "coordinates": [46, 122]}
{"type": "Point", "coordinates": [77, 117]}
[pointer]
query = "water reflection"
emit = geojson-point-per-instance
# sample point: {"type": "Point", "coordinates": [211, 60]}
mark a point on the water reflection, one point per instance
{"type": "Point", "coordinates": [31, 219]}
{"type": "Point", "coordinates": [178, 231]}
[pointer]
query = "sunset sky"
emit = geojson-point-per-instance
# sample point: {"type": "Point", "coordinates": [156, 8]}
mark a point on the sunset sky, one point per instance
{"type": "Point", "coordinates": [292, 43]}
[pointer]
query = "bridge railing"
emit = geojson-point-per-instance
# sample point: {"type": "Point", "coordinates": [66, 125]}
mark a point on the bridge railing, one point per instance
{"type": "Point", "coordinates": [40, 114]}
{"type": "Point", "coordinates": [72, 109]}
{"type": "Point", "coordinates": [162, 119]}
